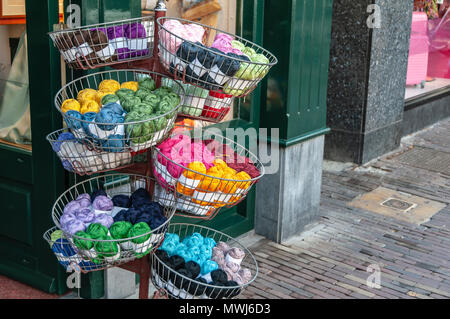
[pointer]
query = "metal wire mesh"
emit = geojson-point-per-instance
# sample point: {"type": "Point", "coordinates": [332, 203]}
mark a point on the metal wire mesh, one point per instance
{"type": "Point", "coordinates": [98, 45]}
{"type": "Point", "coordinates": [97, 254]}
{"type": "Point", "coordinates": [118, 137]}
{"type": "Point", "coordinates": [180, 286]}
{"type": "Point", "coordinates": [234, 73]}
{"type": "Point", "coordinates": [84, 158]}
{"type": "Point", "coordinates": [201, 104]}
{"type": "Point", "coordinates": [202, 195]}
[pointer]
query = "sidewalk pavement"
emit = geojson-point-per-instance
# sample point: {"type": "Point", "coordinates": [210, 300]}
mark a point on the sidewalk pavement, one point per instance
{"type": "Point", "coordinates": [410, 247]}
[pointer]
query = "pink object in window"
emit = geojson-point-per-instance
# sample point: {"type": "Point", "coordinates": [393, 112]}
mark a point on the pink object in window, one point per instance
{"type": "Point", "coordinates": [439, 60]}
{"type": "Point", "coordinates": [418, 50]}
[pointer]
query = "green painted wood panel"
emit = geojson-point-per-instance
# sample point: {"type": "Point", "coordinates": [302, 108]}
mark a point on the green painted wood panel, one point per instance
{"type": "Point", "coordinates": [298, 32]}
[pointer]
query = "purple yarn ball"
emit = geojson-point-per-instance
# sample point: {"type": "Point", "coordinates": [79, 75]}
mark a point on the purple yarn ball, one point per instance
{"type": "Point", "coordinates": [135, 31]}
{"type": "Point", "coordinates": [74, 226]}
{"type": "Point", "coordinates": [84, 202]}
{"type": "Point", "coordinates": [85, 195]}
{"type": "Point", "coordinates": [104, 219]}
{"type": "Point", "coordinates": [103, 203]}
{"type": "Point", "coordinates": [72, 207]}
{"type": "Point", "coordinates": [85, 215]}
{"type": "Point", "coordinates": [66, 218]}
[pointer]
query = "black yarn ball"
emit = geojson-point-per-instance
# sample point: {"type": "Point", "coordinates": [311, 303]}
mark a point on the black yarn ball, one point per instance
{"type": "Point", "coordinates": [194, 268]}
{"type": "Point", "coordinates": [219, 276]}
{"type": "Point", "coordinates": [231, 292]}
{"type": "Point", "coordinates": [196, 288]}
{"type": "Point", "coordinates": [179, 281]}
{"type": "Point", "coordinates": [216, 292]}
{"type": "Point", "coordinates": [97, 192]}
{"type": "Point", "coordinates": [162, 255]}
{"type": "Point", "coordinates": [121, 201]}
{"type": "Point", "coordinates": [177, 262]}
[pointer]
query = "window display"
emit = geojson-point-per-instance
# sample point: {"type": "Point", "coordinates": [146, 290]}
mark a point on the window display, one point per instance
{"type": "Point", "coordinates": [429, 55]}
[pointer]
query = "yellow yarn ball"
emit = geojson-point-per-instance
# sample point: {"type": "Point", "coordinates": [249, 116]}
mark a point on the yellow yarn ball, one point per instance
{"type": "Point", "coordinates": [90, 106]}
{"type": "Point", "coordinates": [100, 95]}
{"type": "Point", "coordinates": [70, 104]}
{"type": "Point", "coordinates": [132, 85]}
{"type": "Point", "coordinates": [109, 86]}
{"type": "Point", "coordinates": [86, 95]}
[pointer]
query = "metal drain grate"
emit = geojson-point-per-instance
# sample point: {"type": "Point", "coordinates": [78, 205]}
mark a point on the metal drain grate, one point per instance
{"type": "Point", "coordinates": [398, 204]}
{"type": "Point", "coordinates": [426, 158]}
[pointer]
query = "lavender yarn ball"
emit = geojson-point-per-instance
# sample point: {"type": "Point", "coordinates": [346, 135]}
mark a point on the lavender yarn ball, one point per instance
{"type": "Point", "coordinates": [104, 219]}
{"type": "Point", "coordinates": [85, 195]}
{"type": "Point", "coordinates": [66, 218]}
{"type": "Point", "coordinates": [74, 226]}
{"type": "Point", "coordinates": [86, 215]}
{"type": "Point", "coordinates": [103, 203]}
{"type": "Point", "coordinates": [72, 207]}
{"type": "Point", "coordinates": [84, 202]}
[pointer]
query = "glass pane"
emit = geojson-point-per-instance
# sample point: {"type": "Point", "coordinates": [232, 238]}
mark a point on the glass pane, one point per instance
{"type": "Point", "coordinates": [429, 55]}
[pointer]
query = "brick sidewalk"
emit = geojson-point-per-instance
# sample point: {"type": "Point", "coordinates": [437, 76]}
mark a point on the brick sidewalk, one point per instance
{"type": "Point", "coordinates": [330, 259]}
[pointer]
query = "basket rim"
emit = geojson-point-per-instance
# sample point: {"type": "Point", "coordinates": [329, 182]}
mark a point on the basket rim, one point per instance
{"type": "Point", "coordinates": [149, 17]}
{"type": "Point", "coordinates": [248, 252]}
{"type": "Point", "coordinates": [141, 71]}
{"type": "Point", "coordinates": [275, 61]}
{"type": "Point", "coordinates": [262, 170]}
{"type": "Point", "coordinates": [58, 225]}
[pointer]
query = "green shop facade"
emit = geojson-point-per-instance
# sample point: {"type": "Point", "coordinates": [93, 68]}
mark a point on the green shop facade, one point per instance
{"type": "Point", "coordinates": [292, 98]}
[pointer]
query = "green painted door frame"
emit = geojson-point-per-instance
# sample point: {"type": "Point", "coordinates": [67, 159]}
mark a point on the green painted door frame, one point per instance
{"type": "Point", "coordinates": [32, 180]}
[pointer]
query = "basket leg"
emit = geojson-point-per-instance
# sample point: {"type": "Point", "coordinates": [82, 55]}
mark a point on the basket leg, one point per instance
{"type": "Point", "coordinates": [144, 273]}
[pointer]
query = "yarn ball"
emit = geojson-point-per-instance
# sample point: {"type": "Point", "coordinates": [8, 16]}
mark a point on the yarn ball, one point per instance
{"type": "Point", "coordinates": [103, 203]}
{"type": "Point", "coordinates": [245, 274]}
{"type": "Point", "coordinates": [97, 231]}
{"type": "Point", "coordinates": [84, 202]}
{"type": "Point", "coordinates": [129, 102]}
{"type": "Point", "coordinates": [70, 104]}
{"type": "Point", "coordinates": [107, 248]}
{"type": "Point", "coordinates": [89, 106]}
{"type": "Point", "coordinates": [231, 292]}
{"type": "Point", "coordinates": [72, 207]}
{"type": "Point", "coordinates": [107, 119]}
{"type": "Point", "coordinates": [140, 197]}
{"type": "Point", "coordinates": [121, 201]}
{"type": "Point", "coordinates": [147, 83]}
{"type": "Point", "coordinates": [115, 107]}
{"type": "Point", "coordinates": [213, 292]}
{"type": "Point", "coordinates": [177, 262]}
{"type": "Point", "coordinates": [186, 254]}
{"type": "Point", "coordinates": [98, 192]}
{"type": "Point", "coordinates": [104, 219]}
{"type": "Point", "coordinates": [180, 282]}
{"type": "Point", "coordinates": [63, 247]}
{"type": "Point", "coordinates": [119, 230]}
{"type": "Point", "coordinates": [83, 243]}
{"type": "Point", "coordinates": [139, 230]}
{"type": "Point", "coordinates": [109, 98]}
{"type": "Point", "coordinates": [63, 137]}
{"type": "Point", "coordinates": [74, 119]}
{"type": "Point", "coordinates": [171, 237]}
{"type": "Point", "coordinates": [196, 288]}
{"type": "Point", "coordinates": [55, 235]}
{"type": "Point", "coordinates": [208, 266]}
{"type": "Point", "coordinates": [208, 241]}
{"type": "Point", "coordinates": [162, 255]}
{"type": "Point", "coordinates": [121, 93]}
{"type": "Point", "coordinates": [74, 226]}
{"type": "Point", "coordinates": [121, 216]}
{"type": "Point", "coordinates": [114, 143]}
{"type": "Point", "coordinates": [169, 247]}
{"type": "Point", "coordinates": [109, 85]}
{"type": "Point", "coordinates": [132, 85]}
{"type": "Point", "coordinates": [220, 276]}
{"type": "Point", "coordinates": [88, 119]}
{"type": "Point", "coordinates": [86, 215]}
{"type": "Point", "coordinates": [194, 268]}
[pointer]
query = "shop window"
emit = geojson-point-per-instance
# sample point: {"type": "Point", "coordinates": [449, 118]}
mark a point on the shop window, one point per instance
{"type": "Point", "coordinates": [429, 55]}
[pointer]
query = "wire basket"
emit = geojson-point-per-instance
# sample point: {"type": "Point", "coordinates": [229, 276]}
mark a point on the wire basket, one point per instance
{"type": "Point", "coordinates": [199, 194]}
{"type": "Point", "coordinates": [96, 254]}
{"type": "Point", "coordinates": [84, 158]}
{"type": "Point", "coordinates": [123, 131]}
{"type": "Point", "coordinates": [180, 286]}
{"type": "Point", "coordinates": [98, 45]}
{"type": "Point", "coordinates": [235, 69]}
{"type": "Point", "coordinates": [201, 104]}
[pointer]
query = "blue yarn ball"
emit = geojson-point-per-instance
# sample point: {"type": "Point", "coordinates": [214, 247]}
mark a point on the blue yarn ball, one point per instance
{"type": "Point", "coordinates": [171, 237]}
{"type": "Point", "coordinates": [107, 120]}
{"type": "Point", "coordinates": [73, 118]}
{"type": "Point", "coordinates": [63, 247]}
{"type": "Point", "coordinates": [187, 255]}
{"type": "Point", "coordinates": [209, 242]}
{"type": "Point", "coordinates": [122, 201]}
{"type": "Point", "coordinates": [67, 165]}
{"type": "Point", "coordinates": [89, 118]}
{"type": "Point", "coordinates": [114, 143]}
{"type": "Point", "coordinates": [115, 107]}
{"type": "Point", "coordinates": [63, 137]}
